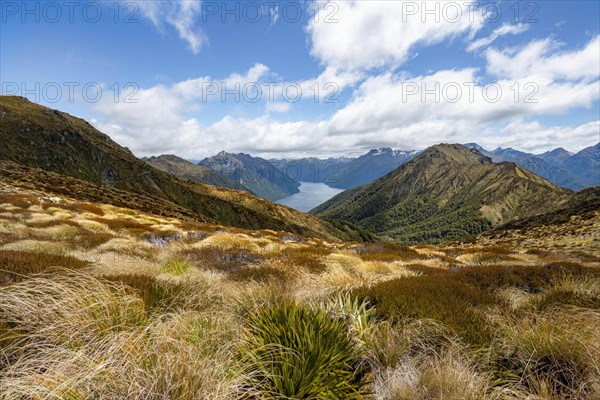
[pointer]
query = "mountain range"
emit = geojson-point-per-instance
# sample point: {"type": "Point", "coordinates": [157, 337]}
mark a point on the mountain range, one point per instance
{"type": "Point", "coordinates": [446, 192]}
{"type": "Point", "coordinates": [255, 174]}
{"type": "Point", "coordinates": [39, 138]}
{"type": "Point", "coordinates": [559, 166]}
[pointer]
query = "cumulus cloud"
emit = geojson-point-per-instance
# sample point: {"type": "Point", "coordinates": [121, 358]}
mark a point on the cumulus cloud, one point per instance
{"type": "Point", "coordinates": [543, 58]}
{"type": "Point", "coordinates": [376, 34]}
{"type": "Point", "coordinates": [180, 14]}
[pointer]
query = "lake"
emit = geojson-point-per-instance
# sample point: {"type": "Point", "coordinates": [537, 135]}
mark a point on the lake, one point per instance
{"type": "Point", "coordinates": [311, 195]}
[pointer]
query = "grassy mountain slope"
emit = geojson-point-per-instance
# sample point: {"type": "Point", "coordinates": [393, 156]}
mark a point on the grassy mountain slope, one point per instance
{"type": "Point", "coordinates": [255, 174]}
{"type": "Point", "coordinates": [188, 170]}
{"type": "Point", "coordinates": [39, 137]}
{"type": "Point", "coordinates": [574, 227]}
{"type": "Point", "coordinates": [447, 192]}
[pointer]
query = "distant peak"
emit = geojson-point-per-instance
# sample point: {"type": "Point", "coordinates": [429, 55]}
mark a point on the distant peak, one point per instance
{"type": "Point", "coordinates": [457, 153]}
{"type": "Point", "coordinates": [379, 151]}
{"type": "Point", "coordinates": [475, 146]}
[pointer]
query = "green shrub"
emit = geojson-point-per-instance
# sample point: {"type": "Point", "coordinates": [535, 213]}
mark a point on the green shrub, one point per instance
{"type": "Point", "coordinates": [296, 352]}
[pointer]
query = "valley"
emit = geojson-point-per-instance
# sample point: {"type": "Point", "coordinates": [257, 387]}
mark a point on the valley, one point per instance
{"type": "Point", "coordinates": [299, 200]}
{"type": "Point", "coordinates": [450, 276]}
{"type": "Point", "coordinates": [310, 196]}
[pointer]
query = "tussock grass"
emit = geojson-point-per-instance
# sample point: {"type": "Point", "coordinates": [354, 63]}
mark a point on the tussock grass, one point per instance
{"type": "Point", "coordinates": [225, 260]}
{"type": "Point", "coordinates": [176, 267]}
{"type": "Point", "coordinates": [559, 348]}
{"type": "Point", "coordinates": [170, 309]}
{"type": "Point", "coordinates": [297, 352]}
{"type": "Point", "coordinates": [15, 266]}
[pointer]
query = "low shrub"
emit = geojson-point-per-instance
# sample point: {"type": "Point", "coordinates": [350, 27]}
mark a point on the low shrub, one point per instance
{"type": "Point", "coordinates": [387, 252]}
{"type": "Point", "coordinates": [437, 297]}
{"type": "Point", "coordinates": [76, 207]}
{"type": "Point", "coordinates": [306, 258]}
{"type": "Point", "coordinates": [18, 200]}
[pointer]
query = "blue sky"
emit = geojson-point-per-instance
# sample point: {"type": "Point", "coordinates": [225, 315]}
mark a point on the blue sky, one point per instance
{"type": "Point", "coordinates": [396, 69]}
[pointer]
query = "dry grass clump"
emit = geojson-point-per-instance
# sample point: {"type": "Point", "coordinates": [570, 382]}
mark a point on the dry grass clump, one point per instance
{"type": "Point", "coordinates": [80, 337]}
{"type": "Point", "coordinates": [68, 309]}
{"type": "Point", "coordinates": [421, 359]}
{"type": "Point", "coordinates": [118, 224]}
{"type": "Point", "coordinates": [261, 273]}
{"type": "Point", "coordinates": [223, 260]}
{"type": "Point", "coordinates": [558, 348]}
{"type": "Point", "coordinates": [15, 266]}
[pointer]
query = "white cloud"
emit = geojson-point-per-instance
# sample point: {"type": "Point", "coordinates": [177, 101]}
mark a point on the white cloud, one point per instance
{"type": "Point", "coordinates": [381, 110]}
{"type": "Point", "coordinates": [181, 15]}
{"type": "Point", "coordinates": [542, 59]}
{"type": "Point", "coordinates": [505, 29]}
{"type": "Point", "coordinates": [375, 34]}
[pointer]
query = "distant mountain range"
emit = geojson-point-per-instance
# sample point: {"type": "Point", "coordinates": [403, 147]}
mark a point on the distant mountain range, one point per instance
{"type": "Point", "coordinates": [446, 192]}
{"type": "Point", "coordinates": [255, 174]}
{"type": "Point", "coordinates": [369, 167]}
{"type": "Point", "coordinates": [277, 178]}
{"type": "Point", "coordinates": [36, 139]}
{"type": "Point", "coordinates": [344, 172]}
{"type": "Point", "coordinates": [572, 171]}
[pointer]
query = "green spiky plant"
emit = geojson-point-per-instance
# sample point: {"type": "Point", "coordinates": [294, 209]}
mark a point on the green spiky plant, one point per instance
{"type": "Point", "coordinates": [296, 352]}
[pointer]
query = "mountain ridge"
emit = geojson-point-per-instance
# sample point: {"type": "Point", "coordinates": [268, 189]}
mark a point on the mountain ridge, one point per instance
{"type": "Point", "coordinates": [446, 192]}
